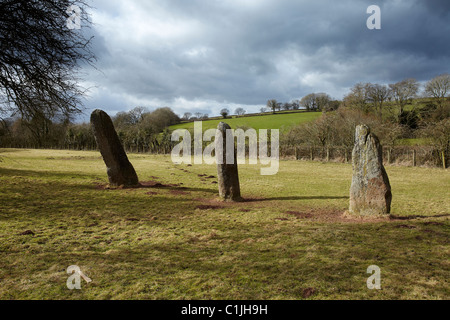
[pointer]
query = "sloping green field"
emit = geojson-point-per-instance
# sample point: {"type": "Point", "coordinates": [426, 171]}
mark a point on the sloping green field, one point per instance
{"type": "Point", "coordinates": [175, 240]}
{"type": "Point", "coordinates": [280, 121]}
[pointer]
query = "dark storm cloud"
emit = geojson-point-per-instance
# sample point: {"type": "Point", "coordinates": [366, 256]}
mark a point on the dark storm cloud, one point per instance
{"type": "Point", "coordinates": [206, 54]}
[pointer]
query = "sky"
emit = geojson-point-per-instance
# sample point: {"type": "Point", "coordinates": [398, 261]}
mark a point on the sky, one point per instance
{"type": "Point", "coordinates": [205, 55]}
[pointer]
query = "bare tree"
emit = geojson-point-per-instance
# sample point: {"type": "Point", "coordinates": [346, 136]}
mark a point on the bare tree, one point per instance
{"type": "Point", "coordinates": [358, 97]}
{"type": "Point", "coordinates": [403, 91]}
{"type": "Point", "coordinates": [137, 114]}
{"type": "Point", "coordinates": [323, 130]}
{"type": "Point", "coordinates": [439, 134]}
{"type": "Point", "coordinates": [40, 57]}
{"type": "Point", "coordinates": [186, 116]}
{"type": "Point", "coordinates": [272, 104]}
{"type": "Point", "coordinates": [389, 133]}
{"type": "Point", "coordinates": [287, 106]}
{"type": "Point", "coordinates": [439, 87]}
{"type": "Point", "coordinates": [378, 94]}
{"type": "Point", "coordinates": [322, 101]}
{"type": "Point", "coordinates": [239, 111]}
{"type": "Point", "coordinates": [198, 115]}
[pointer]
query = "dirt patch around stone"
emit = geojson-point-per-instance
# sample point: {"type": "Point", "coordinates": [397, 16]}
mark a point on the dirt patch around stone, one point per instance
{"type": "Point", "coordinates": [405, 226]}
{"type": "Point", "coordinates": [26, 232]}
{"type": "Point", "coordinates": [100, 186]}
{"type": "Point", "coordinates": [308, 292]}
{"type": "Point", "coordinates": [300, 215]}
{"type": "Point", "coordinates": [434, 223]}
{"type": "Point", "coordinates": [206, 207]}
{"type": "Point", "coordinates": [178, 192]}
{"type": "Point", "coordinates": [74, 158]}
{"type": "Point", "coordinates": [142, 184]}
{"type": "Point", "coordinates": [156, 184]}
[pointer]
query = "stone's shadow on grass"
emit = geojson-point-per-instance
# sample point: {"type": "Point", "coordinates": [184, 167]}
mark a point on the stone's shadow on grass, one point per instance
{"type": "Point", "coordinates": [222, 264]}
{"type": "Point", "coordinates": [11, 150]}
{"type": "Point", "coordinates": [295, 198]}
{"type": "Point", "coordinates": [155, 185]}
{"type": "Point", "coordinates": [413, 217]}
{"type": "Point", "coordinates": [80, 201]}
{"type": "Point", "coordinates": [39, 174]}
{"type": "Point", "coordinates": [177, 186]}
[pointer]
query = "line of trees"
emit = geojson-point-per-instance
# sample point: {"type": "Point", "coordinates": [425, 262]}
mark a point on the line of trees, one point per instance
{"type": "Point", "coordinates": [393, 113]}
{"type": "Point", "coordinates": [332, 137]}
{"type": "Point", "coordinates": [139, 131]}
{"type": "Point", "coordinates": [311, 102]}
{"type": "Point", "coordinates": [188, 116]}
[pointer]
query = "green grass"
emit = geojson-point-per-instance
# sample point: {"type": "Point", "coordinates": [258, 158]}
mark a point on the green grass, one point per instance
{"type": "Point", "coordinates": [280, 121]}
{"type": "Point", "coordinates": [414, 142]}
{"type": "Point", "coordinates": [182, 243]}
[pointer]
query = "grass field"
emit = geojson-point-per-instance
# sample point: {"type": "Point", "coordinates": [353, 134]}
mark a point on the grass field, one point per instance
{"type": "Point", "coordinates": [175, 240]}
{"type": "Point", "coordinates": [280, 121]}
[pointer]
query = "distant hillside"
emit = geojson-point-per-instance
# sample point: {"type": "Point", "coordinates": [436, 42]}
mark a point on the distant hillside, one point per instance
{"type": "Point", "coordinates": [280, 121]}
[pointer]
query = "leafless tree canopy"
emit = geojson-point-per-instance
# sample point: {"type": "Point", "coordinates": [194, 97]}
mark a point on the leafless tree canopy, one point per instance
{"type": "Point", "coordinates": [40, 57]}
{"type": "Point", "coordinates": [272, 105]}
{"type": "Point", "coordinates": [378, 94]}
{"type": "Point", "coordinates": [240, 111]}
{"type": "Point", "coordinates": [403, 91]}
{"type": "Point", "coordinates": [439, 87]}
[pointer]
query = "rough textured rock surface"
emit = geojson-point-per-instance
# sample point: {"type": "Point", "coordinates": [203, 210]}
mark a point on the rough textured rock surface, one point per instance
{"type": "Point", "coordinates": [370, 191]}
{"type": "Point", "coordinates": [119, 169]}
{"type": "Point", "coordinates": [228, 178]}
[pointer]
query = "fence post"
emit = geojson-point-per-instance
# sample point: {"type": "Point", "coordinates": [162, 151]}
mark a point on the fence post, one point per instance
{"type": "Point", "coordinates": [414, 157]}
{"type": "Point", "coordinates": [443, 159]}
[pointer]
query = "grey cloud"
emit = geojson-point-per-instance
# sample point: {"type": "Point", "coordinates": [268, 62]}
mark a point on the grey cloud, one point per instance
{"type": "Point", "coordinates": [246, 54]}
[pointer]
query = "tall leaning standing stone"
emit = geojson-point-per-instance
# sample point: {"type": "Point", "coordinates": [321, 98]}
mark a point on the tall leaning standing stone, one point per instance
{"type": "Point", "coordinates": [370, 191]}
{"type": "Point", "coordinates": [118, 167]}
{"type": "Point", "coordinates": [227, 173]}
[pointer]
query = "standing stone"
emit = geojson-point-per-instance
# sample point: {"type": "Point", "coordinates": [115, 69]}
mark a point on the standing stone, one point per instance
{"type": "Point", "coordinates": [227, 173]}
{"type": "Point", "coordinates": [370, 192]}
{"type": "Point", "coordinates": [118, 167]}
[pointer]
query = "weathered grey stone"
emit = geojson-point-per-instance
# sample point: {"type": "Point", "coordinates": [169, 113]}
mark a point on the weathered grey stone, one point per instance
{"type": "Point", "coordinates": [227, 173]}
{"type": "Point", "coordinates": [118, 167]}
{"type": "Point", "coordinates": [370, 191]}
